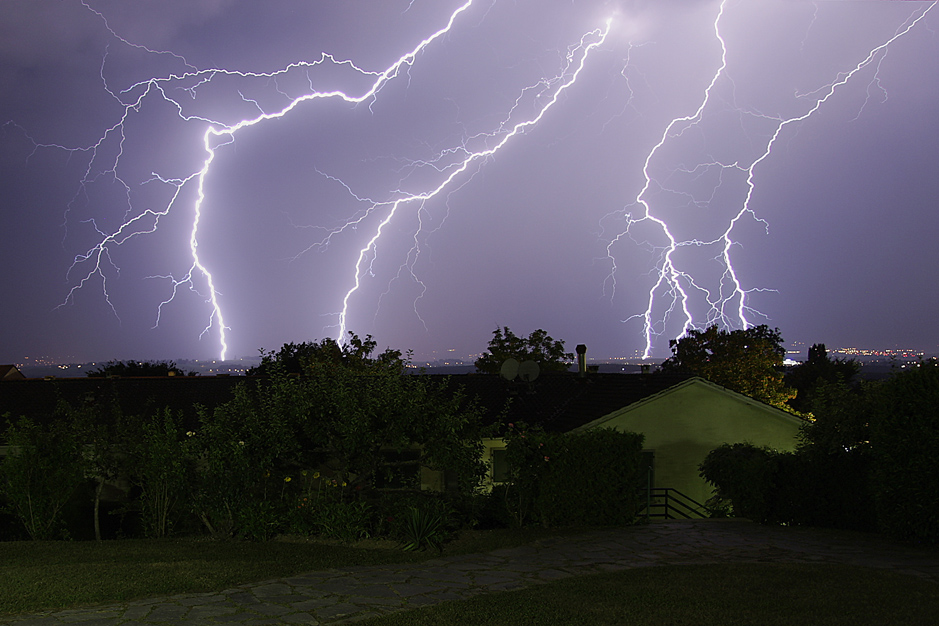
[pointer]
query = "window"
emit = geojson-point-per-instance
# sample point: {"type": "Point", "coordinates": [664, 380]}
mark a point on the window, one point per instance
{"type": "Point", "coordinates": [500, 465]}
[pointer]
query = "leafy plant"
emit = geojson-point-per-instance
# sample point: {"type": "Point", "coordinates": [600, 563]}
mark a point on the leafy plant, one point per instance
{"type": "Point", "coordinates": [242, 448]}
{"type": "Point", "coordinates": [745, 475]}
{"type": "Point", "coordinates": [259, 521]}
{"type": "Point", "coordinates": [905, 442]}
{"type": "Point", "coordinates": [422, 529]}
{"type": "Point", "coordinates": [40, 473]}
{"type": "Point", "coordinates": [346, 521]}
{"type": "Point", "coordinates": [582, 478]}
{"type": "Point", "coordinates": [162, 471]}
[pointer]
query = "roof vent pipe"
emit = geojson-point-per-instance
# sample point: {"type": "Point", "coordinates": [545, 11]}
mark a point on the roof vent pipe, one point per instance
{"type": "Point", "coordinates": [581, 350]}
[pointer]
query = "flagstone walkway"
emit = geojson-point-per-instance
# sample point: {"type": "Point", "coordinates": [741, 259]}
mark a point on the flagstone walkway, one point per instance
{"type": "Point", "coordinates": [354, 593]}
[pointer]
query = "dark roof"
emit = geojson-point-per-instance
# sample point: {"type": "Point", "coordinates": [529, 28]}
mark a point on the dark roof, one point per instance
{"type": "Point", "coordinates": [10, 372]}
{"type": "Point", "coordinates": [557, 402]}
{"type": "Point", "coordinates": [561, 402]}
{"type": "Point", "coordinates": [37, 397]}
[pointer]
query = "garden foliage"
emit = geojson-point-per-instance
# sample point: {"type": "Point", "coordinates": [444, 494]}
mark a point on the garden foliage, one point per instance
{"type": "Point", "coordinates": [336, 450]}
{"type": "Point", "coordinates": [159, 464]}
{"type": "Point", "coordinates": [39, 475]}
{"type": "Point", "coordinates": [583, 478]}
{"type": "Point", "coordinates": [745, 475]}
{"type": "Point", "coordinates": [807, 487]}
{"type": "Point", "coordinates": [905, 441]}
{"type": "Point", "coordinates": [867, 462]}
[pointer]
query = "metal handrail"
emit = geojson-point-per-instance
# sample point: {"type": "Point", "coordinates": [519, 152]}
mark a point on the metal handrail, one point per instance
{"type": "Point", "coordinates": [673, 500]}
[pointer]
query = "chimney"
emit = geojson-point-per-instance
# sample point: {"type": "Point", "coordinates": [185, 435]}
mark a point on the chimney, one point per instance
{"type": "Point", "coordinates": [581, 350]}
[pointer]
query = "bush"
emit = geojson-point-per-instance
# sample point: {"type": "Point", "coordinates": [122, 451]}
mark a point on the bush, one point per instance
{"type": "Point", "coordinates": [813, 488]}
{"type": "Point", "coordinates": [807, 488]}
{"type": "Point", "coordinates": [161, 467]}
{"type": "Point", "coordinates": [423, 528]}
{"type": "Point", "coordinates": [345, 521]}
{"type": "Point", "coordinates": [39, 475]}
{"type": "Point", "coordinates": [584, 478]}
{"type": "Point", "coordinates": [905, 442]}
{"type": "Point", "coordinates": [242, 449]}
{"type": "Point", "coordinates": [745, 475]}
{"type": "Point", "coordinates": [487, 510]}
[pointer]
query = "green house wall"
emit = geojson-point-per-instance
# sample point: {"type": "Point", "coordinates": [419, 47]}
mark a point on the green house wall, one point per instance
{"type": "Point", "coordinates": [682, 424]}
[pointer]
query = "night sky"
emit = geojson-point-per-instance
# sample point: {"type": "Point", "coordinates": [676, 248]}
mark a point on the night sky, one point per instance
{"type": "Point", "coordinates": [612, 172]}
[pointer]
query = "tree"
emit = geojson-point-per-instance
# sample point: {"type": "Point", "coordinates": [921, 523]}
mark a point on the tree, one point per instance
{"type": "Point", "coordinates": [539, 346]}
{"type": "Point", "coordinates": [41, 471]}
{"type": "Point", "coordinates": [138, 368]}
{"type": "Point", "coordinates": [747, 361]}
{"type": "Point", "coordinates": [351, 419]}
{"type": "Point", "coordinates": [819, 369]}
{"type": "Point", "coordinates": [905, 444]}
{"type": "Point", "coordinates": [356, 353]}
{"type": "Point", "coordinates": [840, 418]}
{"type": "Point", "coordinates": [354, 417]}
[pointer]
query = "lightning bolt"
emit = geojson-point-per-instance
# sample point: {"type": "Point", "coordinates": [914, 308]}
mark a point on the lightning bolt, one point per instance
{"type": "Point", "coordinates": [678, 292]}
{"type": "Point", "coordinates": [457, 165]}
{"type": "Point", "coordinates": [674, 282]}
{"type": "Point", "coordinates": [217, 134]}
{"type": "Point", "coordinates": [547, 91]}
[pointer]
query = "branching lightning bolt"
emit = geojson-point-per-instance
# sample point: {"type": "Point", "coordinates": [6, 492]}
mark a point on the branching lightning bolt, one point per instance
{"type": "Point", "coordinates": [675, 283]}
{"type": "Point", "coordinates": [452, 164]}
{"type": "Point", "coordinates": [728, 302]}
{"type": "Point", "coordinates": [216, 135]}
{"type": "Point", "coordinates": [549, 91]}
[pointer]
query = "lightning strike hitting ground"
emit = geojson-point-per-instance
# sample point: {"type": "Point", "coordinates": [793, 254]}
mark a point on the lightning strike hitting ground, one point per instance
{"type": "Point", "coordinates": [675, 284]}
{"type": "Point", "coordinates": [342, 185]}
{"type": "Point", "coordinates": [549, 90]}
{"type": "Point", "coordinates": [217, 135]}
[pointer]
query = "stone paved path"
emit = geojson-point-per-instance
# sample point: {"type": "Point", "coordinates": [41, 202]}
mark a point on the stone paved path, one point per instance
{"type": "Point", "coordinates": [350, 594]}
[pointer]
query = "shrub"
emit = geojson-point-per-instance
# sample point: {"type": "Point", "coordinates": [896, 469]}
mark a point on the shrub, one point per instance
{"type": "Point", "coordinates": [905, 442]}
{"type": "Point", "coordinates": [161, 467]}
{"type": "Point", "coordinates": [242, 447]}
{"type": "Point", "coordinates": [40, 474]}
{"type": "Point", "coordinates": [423, 528]}
{"type": "Point", "coordinates": [427, 520]}
{"type": "Point", "coordinates": [583, 478]}
{"type": "Point", "coordinates": [744, 474]}
{"type": "Point", "coordinates": [488, 510]}
{"type": "Point", "coordinates": [813, 488]}
{"type": "Point", "coordinates": [808, 487]}
{"type": "Point", "coordinates": [345, 521]}
{"type": "Point", "coordinates": [259, 520]}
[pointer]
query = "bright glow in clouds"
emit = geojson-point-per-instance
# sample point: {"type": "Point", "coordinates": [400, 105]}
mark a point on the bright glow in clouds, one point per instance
{"type": "Point", "coordinates": [211, 178]}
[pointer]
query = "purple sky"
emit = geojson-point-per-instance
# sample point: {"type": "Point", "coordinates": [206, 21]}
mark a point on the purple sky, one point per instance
{"type": "Point", "coordinates": [621, 142]}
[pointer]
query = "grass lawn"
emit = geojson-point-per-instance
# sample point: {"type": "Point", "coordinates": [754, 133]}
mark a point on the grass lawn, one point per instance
{"type": "Point", "coordinates": [38, 576]}
{"type": "Point", "coordinates": [45, 575]}
{"type": "Point", "coordinates": [758, 594]}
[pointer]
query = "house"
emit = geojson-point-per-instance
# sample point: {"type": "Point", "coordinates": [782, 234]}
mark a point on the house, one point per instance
{"type": "Point", "coordinates": [683, 423]}
{"type": "Point", "coordinates": [10, 372]}
{"type": "Point", "coordinates": [682, 419]}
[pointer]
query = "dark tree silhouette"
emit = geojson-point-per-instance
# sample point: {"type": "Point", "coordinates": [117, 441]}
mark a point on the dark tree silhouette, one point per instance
{"type": "Point", "coordinates": [747, 361]}
{"type": "Point", "coordinates": [138, 368]}
{"type": "Point", "coordinates": [539, 346]}
{"type": "Point", "coordinates": [356, 354]}
{"type": "Point", "coordinates": [819, 368]}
